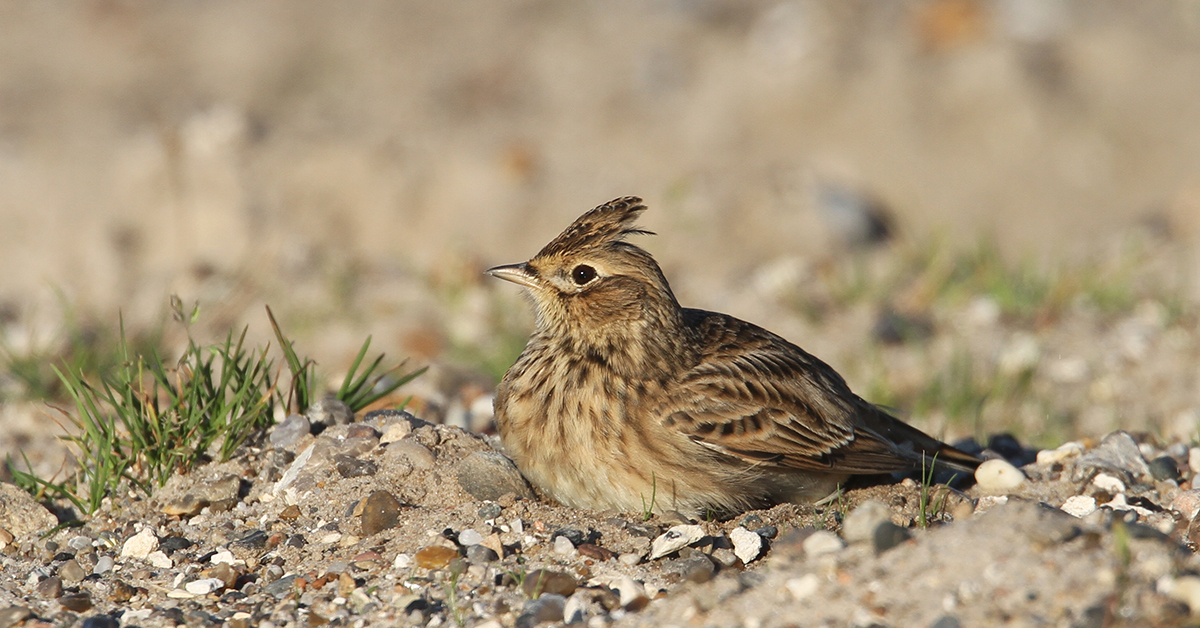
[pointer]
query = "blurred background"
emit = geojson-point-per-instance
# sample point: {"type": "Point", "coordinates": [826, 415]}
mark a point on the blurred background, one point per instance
{"type": "Point", "coordinates": [984, 212]}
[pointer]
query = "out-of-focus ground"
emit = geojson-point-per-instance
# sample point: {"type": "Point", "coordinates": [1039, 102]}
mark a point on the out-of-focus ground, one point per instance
{"type": "Point", "coordinates": [357, 165]}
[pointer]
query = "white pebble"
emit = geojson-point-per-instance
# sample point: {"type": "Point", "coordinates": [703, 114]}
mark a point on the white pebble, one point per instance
{"type": "Point", "coordinates": [987, 502]}
{"type": "Point", "coordinates": [227, 557]}
{"type": "Point", "coordinates": [675, 539]}
{"type": "Point", "coordinates": [517, 525]}
{"type": "Point", "coordinates": [630, 558]}
{"type": "Point", "coordinates": [998, 475]}
{"type": "Point", "coordinates": [563, 546]}
{"type": "Point", "coordinates": [747, 545]}
{"type": "Point", "coordinates": [822, 542]}
{"type": "Point", "coordinates": [1194, 459]}
{"type": "Point", "coordinates": [1107, 482]}
{"type": "Point", "coordinates": [1187, 503]}
{"type": "Point", "coordinates": [395, 432]}
{"type": "Point", "coordinates": [140, 545]}
{"type": "Point", "coordinates": [1186, 589]}
{"type": "Point", "coordinates": [403, 561]}
{"type": "Point", "coordinates": [1079, 506]}
{"type": "Point", "coordinates": [632, 592]}
{"type": "Point", "coordinates": [179, 594]}
{"type": "Point", "coordinates": [204, 586]}
{"type": "Point", "coordinates": [158, 559]}
{"type": "Point", "coordinates": [469, 537]}
{"type": "Point", "coordinates": [803, 587]}
{"type": "Point", "coordinates": [860, 524]}
{"type": "Point", "coordinates": [1065, 452]}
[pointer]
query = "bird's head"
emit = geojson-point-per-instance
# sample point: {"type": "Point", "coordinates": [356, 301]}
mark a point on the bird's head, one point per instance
{"type": "Point", "coordinates": [590, 282]}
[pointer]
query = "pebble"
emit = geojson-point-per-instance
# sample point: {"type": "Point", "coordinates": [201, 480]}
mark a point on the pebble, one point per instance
{"type": "Point", "coordinates": [1187, 503]}
{"type": "Point", "coordinates": [225, 557]}
{"type": "Point", "coordinates": [630, 559]}
{"type": "Point", "coordinates": [435, 556]}
{"type": "Point", "coordinates": [226, 574]}
{"type": "Point", "coordinates": [479, 554]}
{"type": "Point", "coordinates": [1164, 468]}
{"type": "Point", "coordinates": [78, 602]}
{"type": "Point", "coordinates": [289, 431]}
{"type": "Point", "coordinates": [489, 510]}
{"type": "Point", "coordinates": [859, 526]}
{"type": "Point", "coordinates": [542, 581]}
{"type": "Point", "coordinates": [489, 475]}
{"type": "Point", "coordinates": [1116, 452]}
{"type": "Point", "coordinates": [632, 594]}
{"type": "Point", "coordinates": [674, 539]}
{"type": "Point", "coordinates": [351, 467]}
{"type": "Point", "coordinates": [547, 608]}
{"type": "Point", "coordinates": [575, 611]}
{"type": "Point", "coordinates": [381, 511]}
{"type": "Point", "coordinates": [293, 471]}
{"type": "Point", "coordinates": [204, 586]}
{"type": "Point", "coordinates": [330, 411]}
{"type": "Point", "coordinates": [1186, 589]}
{"type": "Point", "coordinates": [100, 621]}
{"type": "Point", "coordinates": [747, 545]}
{"type": "Point", "coordinates": [121, 591]}
{"type": "Point", "coordinates": [998, 475]}
{"type": "Point", "coordinates": [1109, 483]}
{"type": "Point", "coordinates": [104, 564]}
{"type": "Point", "coordinates": [79, 543]}
{"type": "Point", "coordinates": [696, 568]}
{"type": "Point", "coordinates": [70, 571]}
{"type": "Point", "coordinates": [888, 535]}
{"type": "Point", "coordinates": [591, 550]}
{"type": "Point", "coordinates": [140, 545]}
{"type": "Point", "coordinates": [563, 546]}
{"type": "Point", "coordinates": [1079, 505]}
{"type": "Point", "coordinates": [469, 537]}
{"type": "Point", "coordinates": [158, 559]}
{"type": "Point", "coordinates": [1064, 452]}
{"type": "Point", "coordinates": [822, 542]}
{"type": "Point", "coordinates": [50, 587]}
{"type": "Point", "coordinates": [1194, 460]}
{"type": "Point", "coordinates": [411, 452]}
{"type": "Point", "coordinates": [281, 586]}
{"type": "Point", "coordinates": [403, 561]}
{"type": "Point", "coordinates": [14, 615]}
{"type": "Point", "coordinates": [395, 432]}
{"type": "Point", "coordinates": [803, 587]}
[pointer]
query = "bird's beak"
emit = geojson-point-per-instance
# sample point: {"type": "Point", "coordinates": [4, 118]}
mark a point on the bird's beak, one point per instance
{"type": "Point", "coordinates": [516, 273]}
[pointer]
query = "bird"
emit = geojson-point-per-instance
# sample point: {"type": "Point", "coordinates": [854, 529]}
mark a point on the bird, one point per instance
{"type": "Point", "coordinates": [624, 400]}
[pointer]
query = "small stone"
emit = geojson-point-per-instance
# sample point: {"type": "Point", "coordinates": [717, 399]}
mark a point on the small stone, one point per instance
{"type": "Point", "coordinates": [70, 571]}
{"type": "Point", "coordinates": [946, 621]}
{"type": "Point", "coordinates": [172, 544]}
{"type": "Point", "coordinates": [575, 612]}
{"type": "Point", "coordinates": [591, 550]}
{"type": "Point", "coordinates": [225, 557]}
{"type": "Point", "coordinates": [14, 615]}
{"type": "Point", "coordinates": [1116, 452]}
{"type": "Point", "coordinates": [289, 432]}
{"type": "Point", "coordinates": [489, 510]}
{"type": "Point", "coordinates": [78, 602]}
{"type": "Point", "coordinates": [998, 475]}
{"type": "Point", "coordinates": [79, 543]}
{"type": "Point", "coordinates": [632, 594]}
{"type": "Point", "coordinates": [547, 608]}
{"type": "Point", "coordinates": [822, 542]}
{"type": "Point", "coordinates": [1164, 468]}
{"type": "Point", "coordinates": [888, 535]}
{"type": "Point", "coordinates": [803, 587]}
{"type": "Point", "coordinates": [725, 557]}
{"type": "Point", "coordinates": [1187, 503]}
{"type": "Point", "coordinates": [350, 467]}
{"type": "Point", "coordinates": [20, 514]}
{"type": "Point", "coordinates": [1186, 589]}
{"type": "Point", "coordinates": [479, 554]}
{"type": "Point", "coordinates": [767, 532]}
{"type": "Point", "coordinates": [330, 411]}
{"type": "Point", "coordinates": [675, 539]}
{"type": "Point", "coordinates": [381, 511]}
{"type": "Point", "coordinates": [746, 544]}
{"type": "Point", "coordinates": [860, 524]}
{"type": "Point", "coordinates": [361, 430]}
{"type": "Point", "coordinates": [395, 432]}
{"type": "Point", "coordinates": [103, 565]}
{"type": "Point", "coordinates": [563, 546]}
{"type": "Point", "coordinates": [489, 475]}
{"type": "Point", "coordinates": [1079, 505]}
{"type": "Point", "coordinates": [1064, 452]}
{"type": "Point", "coordinates": [1108, 483]}
{"type": "Point", "coordinates": [281, 587]}
{"type": "Point", "coordinates": [290, 514]}
{"type": "Point", "coordinates": [51, 587]}
{"type": "Point", "coordinates": [696, 568]}
{"type": "Point", "coordinates": [346, 584]}
{"type": "Point", "coordinates": [226, 574]}
{"type": "Point", "coordinates": [140, 545]}
{"type": "Point", "coordinates": [435, 556]}
{"type": "Point", "coordinates": [574, 535]}
{"type": "Point", "coordinates": [121, 592]}
{"type": "Point", "coordinates": [100, 621]}
{"type": "Point", "coordinates": [158, 559]}
{"type": "Point", "coordinates": [545, 581]}
{"type": "Point", "coordinates": [493, 543]}
{"type": "Point", "coordinates": [204, 586]}
{"type": "Point", "coordinates": [630, 559]}
{"type": "Point", "coordinates": [469, 537]}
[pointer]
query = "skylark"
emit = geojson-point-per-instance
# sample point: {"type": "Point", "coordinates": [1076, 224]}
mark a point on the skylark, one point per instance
{"type": "Point", "coordinates": [624, 400]}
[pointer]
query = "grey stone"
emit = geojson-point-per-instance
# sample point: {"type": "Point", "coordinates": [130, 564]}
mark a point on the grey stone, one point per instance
{"type": "Point", "coordinates": [14, 615]}
{"type": "Point", "coordinates": [888, 535]}
{"type": "Point", "coordinates": [100, 621]}
{"type": "Point", "coordinates": [479, 554]}
{"type": "Point", "coordinates": [70, 571]}
{"type": "Point", "coordinates": [351, 467]}
{"type": "Point", "coordinates": [489, 475]}
{"type": "Point", "coordinates": [289, 432]}
{"type": "Point", "coordinates": [547, 608]}
{"type": "Point", "coordinates": [330, 411]}
{"type": "Point", "coordinates": [1164, 468]}
{"type": "Point", "coordinates": [860, 524]}
{"type": "Point", "coordinates": [1117, 452]}
{"type": "Point", "coordinates": [281, 587]}
{"type": "Point", "coordinates": [103, 565]}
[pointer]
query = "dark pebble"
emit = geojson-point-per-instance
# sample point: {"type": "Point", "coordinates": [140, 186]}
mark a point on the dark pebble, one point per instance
{"type": "Point", "coordinates": [946, 621]}
{"type": "Point", "coordinates": [50, 588]}
{"type": "Point", "coordinates": [1164, 468]}
{"type": "Point", "coordinates": [381, 511]}
{"type": "Point", "coordinates": [121, 591]}
{"type": "Point", "coordinates": [591, 550]}
{"type": "Point", "coordinates": [573, 535]}
{"type": "Point", "coordinates": [646, 531]}
{"type": "Point", "coordinates": [254, 539]}
{"type": "Point", "coordinates": [77, 602]}
{"type": "Point", "coordinates": [280, 587]}
{"type": "Point", "coordinates": [479, 554]}
{"type": "Point", "coordinates": [296, 540]}
{"type": "Point", "coordinates": [359, 430]}
{"type": "Point", "coordinates": [14, 615]}
{"type": "Point", "coordinates": [751, 521]}
{"type": "Point", "coordinates": [695, 568]}
{"type": "Point", "coordinates": [767, 532]}
{"type": "Point", "coordinates": [351, 467]}
{"type": "Point", "coordinates": [490, 475]}
{"type": "Point", "coordinates": [63, 556]}
{"type": "Point", "coordinates": [545, 581]}
{"type": "Point", "coordinates": [489, 510]}
{"type": "Point", "coordinates": [888, 535]}
{"type": "Point", "coordinates": [70, 571]}
{"type": "Point", "coordinates": [173, 615]}
{"type": "Point", "coordinates": [172, 544]}
{"type": "Point", "coordinates": [101, 621]}
{"type": "Point", "coordinates": [547, 608]}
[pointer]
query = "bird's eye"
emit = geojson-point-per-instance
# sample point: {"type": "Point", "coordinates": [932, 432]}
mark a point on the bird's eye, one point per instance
{"type": "Point", "coordinates": [583, 274]}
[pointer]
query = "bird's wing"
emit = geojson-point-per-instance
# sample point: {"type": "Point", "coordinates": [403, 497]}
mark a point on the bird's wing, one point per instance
{"type": "Point", "coordinates": [758, 397]}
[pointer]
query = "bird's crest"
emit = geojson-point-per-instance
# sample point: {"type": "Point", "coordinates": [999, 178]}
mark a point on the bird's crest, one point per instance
{"type": "Point", "coordinates": [607, 224]}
